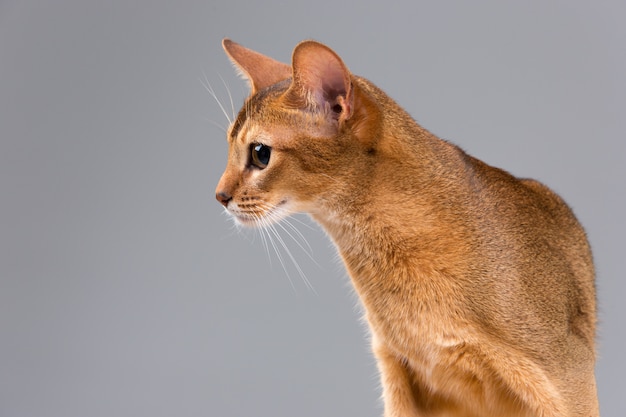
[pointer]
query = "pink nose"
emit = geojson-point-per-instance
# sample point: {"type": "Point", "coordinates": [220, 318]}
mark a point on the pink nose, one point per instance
{"type": "Point", "coordinates": [223, 197]}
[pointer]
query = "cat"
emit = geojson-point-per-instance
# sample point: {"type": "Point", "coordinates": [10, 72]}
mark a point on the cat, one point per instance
{"type": "Point", "coordinates": [478, 287]}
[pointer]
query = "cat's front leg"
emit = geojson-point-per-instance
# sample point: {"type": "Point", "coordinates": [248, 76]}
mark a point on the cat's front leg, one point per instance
{"type": "Point", "coordinates": [398, 390]}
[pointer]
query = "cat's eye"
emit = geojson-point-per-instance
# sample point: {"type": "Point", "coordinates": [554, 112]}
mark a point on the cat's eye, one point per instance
{"type": "Point", "coordinates": [260, 155]}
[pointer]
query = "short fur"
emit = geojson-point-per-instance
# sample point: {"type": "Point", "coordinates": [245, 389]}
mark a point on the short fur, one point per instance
{"type": "Point", "coordinates": [478, 286]}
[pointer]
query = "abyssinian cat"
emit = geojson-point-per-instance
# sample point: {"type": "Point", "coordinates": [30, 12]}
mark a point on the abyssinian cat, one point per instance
{"type": "Point", "coordinates": [478, 287]}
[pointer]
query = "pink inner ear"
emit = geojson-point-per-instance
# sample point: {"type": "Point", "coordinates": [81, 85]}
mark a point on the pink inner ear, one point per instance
{"type": "Point", "coordinates": [320, 73]}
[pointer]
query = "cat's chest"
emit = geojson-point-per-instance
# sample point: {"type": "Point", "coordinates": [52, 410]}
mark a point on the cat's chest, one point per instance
{"type": "Point", "coordinates": [416, 311]}
{"type": "Point", "coordinates": [429, 332]}
{"type": "Point", "coordinates": [407, 321]}
{"type": "Point", "coordinates": [412, 307]}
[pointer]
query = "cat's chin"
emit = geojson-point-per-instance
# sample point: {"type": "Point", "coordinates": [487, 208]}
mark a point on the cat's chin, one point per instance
{"type": "Point", "coordinates": [246, 221]}
{"type": "Point", "coordinates": [249, 221]}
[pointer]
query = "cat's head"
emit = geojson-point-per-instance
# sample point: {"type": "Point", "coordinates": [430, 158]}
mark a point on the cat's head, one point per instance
{"type": "Point", "coordinates": [299, 141]}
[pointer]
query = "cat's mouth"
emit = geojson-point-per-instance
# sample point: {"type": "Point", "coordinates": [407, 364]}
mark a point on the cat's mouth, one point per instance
{"type": "Point", "coordinates": [259, 215]}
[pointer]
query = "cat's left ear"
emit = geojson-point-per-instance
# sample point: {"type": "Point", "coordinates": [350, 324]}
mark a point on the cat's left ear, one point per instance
{"type": "Point", "coordinates": [321, 80]}
{"type": "Point", "coordinates": [261, 71]}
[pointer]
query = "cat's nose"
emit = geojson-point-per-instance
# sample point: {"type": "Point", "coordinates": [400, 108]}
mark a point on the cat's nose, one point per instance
{"type": "Point", "coordinates": [223, 197]}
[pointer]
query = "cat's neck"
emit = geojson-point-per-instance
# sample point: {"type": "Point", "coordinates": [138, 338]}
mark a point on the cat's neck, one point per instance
{"type": "Point", "coordinates": [406, 205]}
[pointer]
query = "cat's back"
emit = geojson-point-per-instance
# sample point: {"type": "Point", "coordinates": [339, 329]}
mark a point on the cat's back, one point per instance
{"type": "Point", "coordinates": [533, 235]}
{"type": "Point", "coordinates": [523, 202]}
{"type": "Point", "coordinates": [529, 212]}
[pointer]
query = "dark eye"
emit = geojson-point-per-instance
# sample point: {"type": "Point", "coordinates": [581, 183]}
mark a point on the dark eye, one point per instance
{"type": "Point", "coordinates": [260, 155]}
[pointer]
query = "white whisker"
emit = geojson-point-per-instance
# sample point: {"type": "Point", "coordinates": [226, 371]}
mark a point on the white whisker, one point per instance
{"type": "Point", "coordinates": [264, 241]}
{"type": "Point", "coordinates": [269, 224]}
{"type": "Point", "coordinates": [299, 237]}
{"type": "Point", "coordinates": [207, 85]}
{"type": "Point", "coordinates": [230, 97]}
{"type": "Point", "coordinates": [306, 248]}
{"type": "Point", "coordinates": [265, 228]}
{"type": "Point", "coordinates": [308, 226]}
{"type": "Point", "coordinates": [234, 227]}
{"type": "Point", "coordinates": [278, 216]}
{"type": "Point", "coordinates": [272, 228]}
{"type": "Point", "coordinates": [214, 123]}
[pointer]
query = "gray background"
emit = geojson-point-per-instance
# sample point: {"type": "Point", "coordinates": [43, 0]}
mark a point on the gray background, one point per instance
{"type": "Point", "coordinates": [125, 290]}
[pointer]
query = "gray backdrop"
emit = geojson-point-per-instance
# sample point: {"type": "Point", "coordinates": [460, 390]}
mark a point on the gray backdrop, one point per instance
{"type": "Point", "coordinates": [125, 290]}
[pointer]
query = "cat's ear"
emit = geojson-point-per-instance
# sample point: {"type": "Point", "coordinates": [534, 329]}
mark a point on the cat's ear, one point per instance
{"type": "Point", "coordinates": [261, 71]}
{"type": "Point", "coordinates": [321, 80]}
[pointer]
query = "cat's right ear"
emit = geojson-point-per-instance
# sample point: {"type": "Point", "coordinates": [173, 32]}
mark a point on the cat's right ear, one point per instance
{"type": "Point", "coordinates": [261, 71]}
{"type": "Point", "coordinates": [321, 81]}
